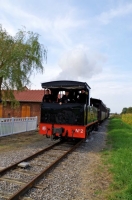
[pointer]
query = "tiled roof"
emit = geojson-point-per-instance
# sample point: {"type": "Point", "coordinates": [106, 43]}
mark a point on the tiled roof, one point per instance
{"type": "Point", "coordinates": [29, 95]}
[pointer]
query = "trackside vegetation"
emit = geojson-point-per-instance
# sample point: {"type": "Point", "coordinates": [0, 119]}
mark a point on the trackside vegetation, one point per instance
{"type": "Point", "coordinates": [118, 157]}
{"type": "Point", "coordinates": [127, 118]}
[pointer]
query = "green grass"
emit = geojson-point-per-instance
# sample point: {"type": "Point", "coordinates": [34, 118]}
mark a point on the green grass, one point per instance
{"type": "Point", "coordinates": [118, 156]}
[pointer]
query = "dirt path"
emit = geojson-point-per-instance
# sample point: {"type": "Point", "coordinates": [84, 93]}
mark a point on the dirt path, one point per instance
{"type": "Point", "coordinates": [95, 175]}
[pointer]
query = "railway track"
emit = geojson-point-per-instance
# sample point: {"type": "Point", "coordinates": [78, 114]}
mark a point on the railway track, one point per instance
{"type": "Point", "coordinates": [18, 178]}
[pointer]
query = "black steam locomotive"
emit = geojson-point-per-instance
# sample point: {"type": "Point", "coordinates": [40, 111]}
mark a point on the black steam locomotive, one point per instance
{"type": "Point", "coordinates": [67, 111]}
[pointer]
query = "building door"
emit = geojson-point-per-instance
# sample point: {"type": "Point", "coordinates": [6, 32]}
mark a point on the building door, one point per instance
{"type": "Point", "coordinates": [25, 111]}
{"type": "Point", "coordinates": [1, 109]}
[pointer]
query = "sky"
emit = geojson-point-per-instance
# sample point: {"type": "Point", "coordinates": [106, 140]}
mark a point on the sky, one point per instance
{"type": "Point", "coordinates": [86, 40]}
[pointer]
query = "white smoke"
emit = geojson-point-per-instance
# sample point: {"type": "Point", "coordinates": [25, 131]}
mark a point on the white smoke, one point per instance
{"type": "Point", "coordinates": [79, 64]}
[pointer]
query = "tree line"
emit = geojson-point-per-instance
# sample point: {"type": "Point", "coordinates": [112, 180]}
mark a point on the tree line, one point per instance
{"type": "Point", "coordinates": [126, 110]}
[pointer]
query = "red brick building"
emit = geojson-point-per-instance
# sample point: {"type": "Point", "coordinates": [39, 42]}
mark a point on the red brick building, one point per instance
{"type": "Point", "coordinates": [30, 101]}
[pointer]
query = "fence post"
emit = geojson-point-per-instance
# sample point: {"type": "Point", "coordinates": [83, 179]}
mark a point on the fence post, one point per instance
{"type": "Point", "coordinates": [12, 125]}
{"type": "Point", "coordinates": [26, 123]}
{"type": "Point", "coordinates": [36, 121]}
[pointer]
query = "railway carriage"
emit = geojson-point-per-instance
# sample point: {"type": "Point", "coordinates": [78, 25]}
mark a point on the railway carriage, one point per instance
{"type": "Point", "coordinates": [74, 118]}
{"type": "Point", "coordinates": [102, 110]}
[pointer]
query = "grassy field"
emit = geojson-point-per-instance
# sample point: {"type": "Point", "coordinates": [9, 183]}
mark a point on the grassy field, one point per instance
{"type": "Point", "coordinates": [118, 157]}
{"type": "Point", "coordinates": [127, 118]}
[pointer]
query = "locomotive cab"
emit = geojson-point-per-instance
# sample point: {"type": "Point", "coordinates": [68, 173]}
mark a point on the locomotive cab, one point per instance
{"type": "Point", "coordinates": [67, 112]}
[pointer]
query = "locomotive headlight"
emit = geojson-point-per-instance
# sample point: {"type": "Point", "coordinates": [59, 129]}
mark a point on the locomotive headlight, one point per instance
{"type": "Point", "coordinates": [44, 128]}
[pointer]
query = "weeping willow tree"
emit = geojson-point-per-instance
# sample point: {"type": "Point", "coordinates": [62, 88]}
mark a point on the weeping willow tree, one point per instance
{"type": "Point", "coordinates": [20, 56]}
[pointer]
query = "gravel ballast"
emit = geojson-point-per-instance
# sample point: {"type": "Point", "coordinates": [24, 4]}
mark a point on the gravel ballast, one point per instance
{"type": "Point", "coordinates": [80, 176]}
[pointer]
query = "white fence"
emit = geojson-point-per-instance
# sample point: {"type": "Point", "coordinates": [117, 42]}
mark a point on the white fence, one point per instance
{"type": "Point", "coordinates": [9, 126]}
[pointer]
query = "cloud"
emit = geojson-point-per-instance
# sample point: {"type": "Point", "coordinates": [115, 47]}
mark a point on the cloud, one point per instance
{"type": "Point", "coordinates": [106, 17]}
{"type": "Point", "coordinates": [79, 64]}
{"type": "Point", "coordinates": [113, 88]}
{"type": "Point", "coordinates": [56, 26]}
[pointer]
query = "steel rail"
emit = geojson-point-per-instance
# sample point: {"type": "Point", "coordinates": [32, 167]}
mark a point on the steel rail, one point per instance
{"type": "Point", "coordinates": [3, 171]}
{"type": "Point", "coordinates": [23, 190]}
